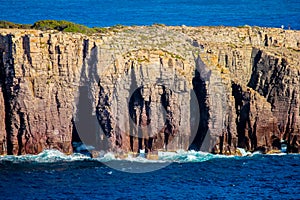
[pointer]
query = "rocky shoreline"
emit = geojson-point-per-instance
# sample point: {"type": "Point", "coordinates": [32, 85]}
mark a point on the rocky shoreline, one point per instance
{"type": "Point", "coordinates": [212, 89]}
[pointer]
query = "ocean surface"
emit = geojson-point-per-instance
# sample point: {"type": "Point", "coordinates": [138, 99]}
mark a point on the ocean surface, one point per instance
{"type": "Point", "coordinates": [189, 175]}
{"type": "Point", "coordinates": [270, 13]}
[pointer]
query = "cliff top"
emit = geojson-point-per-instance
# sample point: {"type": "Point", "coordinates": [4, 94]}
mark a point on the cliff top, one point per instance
{"type": "Point", "coordinates": [277, 41]}
{"type": "Point", "coordinates": [70, 27]}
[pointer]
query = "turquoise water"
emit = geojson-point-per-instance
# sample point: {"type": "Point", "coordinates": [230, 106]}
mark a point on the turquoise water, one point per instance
{"type": "Point", "coordinates": [146, 12]}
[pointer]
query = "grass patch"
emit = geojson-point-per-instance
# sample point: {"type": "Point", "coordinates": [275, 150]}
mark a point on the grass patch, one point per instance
{"type": "Point", "coordinates": [7, 24]}
{"type": "Point", "coordinates": [61, 25]}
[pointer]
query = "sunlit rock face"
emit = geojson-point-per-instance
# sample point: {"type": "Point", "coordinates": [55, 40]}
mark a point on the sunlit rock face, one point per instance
{"type": "Point", "coordinates": [206, 88]}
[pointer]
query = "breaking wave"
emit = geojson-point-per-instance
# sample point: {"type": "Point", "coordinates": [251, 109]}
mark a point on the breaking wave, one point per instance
{"type": "Point", "coordinates": [47, 156]}
{"type": "Point", "coordinates": [52, 156]}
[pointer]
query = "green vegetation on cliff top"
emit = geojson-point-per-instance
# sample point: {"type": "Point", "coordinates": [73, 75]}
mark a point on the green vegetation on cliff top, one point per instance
{"type": "Point", "coordinates": [64, 26]}
{"type": "Point", "coordinates": [6, 24]}
{"type": "Point", "coordinates": [60, 25]}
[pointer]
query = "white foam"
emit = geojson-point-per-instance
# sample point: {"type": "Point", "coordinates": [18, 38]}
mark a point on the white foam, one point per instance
{"type": "Point", "coordinates": [47, 156]}
{"type": "Point", "coordinates": [244, 152]}
{"type": "Point", "coordinates": [276, 154]}
{"type": "Point", "coordinates": [180, 156]}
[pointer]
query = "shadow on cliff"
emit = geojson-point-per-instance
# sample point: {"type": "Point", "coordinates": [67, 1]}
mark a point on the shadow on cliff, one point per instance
{"type": "Point", "coordinates": [6, 81]}
{"type": "Point", "coordinates": [86, 128]}
{"type": "Point", "coordinates": [243, 122]}
{"type": "Point", "coordinates": [202, 135]}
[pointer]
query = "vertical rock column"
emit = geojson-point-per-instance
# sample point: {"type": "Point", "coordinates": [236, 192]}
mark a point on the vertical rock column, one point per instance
{"type": "Point", "coordinates": [7, 74]}
{"type": "Point", "coordinates": [2, 107]}
{"type": "Point", "coordinates": [2, 124]}
{"type": "Point", "coordinates": [39, 73]}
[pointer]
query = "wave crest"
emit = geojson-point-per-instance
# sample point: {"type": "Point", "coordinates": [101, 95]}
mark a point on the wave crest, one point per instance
{"type": "Point", "coordinates": [51, 156]}
{"type": "Point", "coordinates": [46, 156]}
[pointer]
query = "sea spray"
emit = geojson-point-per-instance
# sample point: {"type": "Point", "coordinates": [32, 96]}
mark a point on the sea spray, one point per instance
{"type": "Point", "coordinates": [52, 156]}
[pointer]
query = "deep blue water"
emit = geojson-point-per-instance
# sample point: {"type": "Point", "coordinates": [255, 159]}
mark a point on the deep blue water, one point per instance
{"type": "Point", "coordinates": [201, 177]}
{"type": "Point", "coordinates": [270, 13]}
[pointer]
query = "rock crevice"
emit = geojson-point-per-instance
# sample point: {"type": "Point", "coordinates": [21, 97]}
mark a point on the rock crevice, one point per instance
{"type": "Point", "coordinates": [206, 88]}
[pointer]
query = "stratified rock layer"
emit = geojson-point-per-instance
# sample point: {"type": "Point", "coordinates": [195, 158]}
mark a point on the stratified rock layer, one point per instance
{"type": "Point", "coordinates": [206, 88]}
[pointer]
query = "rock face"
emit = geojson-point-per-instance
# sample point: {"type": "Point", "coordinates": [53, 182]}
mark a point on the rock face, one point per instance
{"type": "Point", "coordinates": [206, 88]}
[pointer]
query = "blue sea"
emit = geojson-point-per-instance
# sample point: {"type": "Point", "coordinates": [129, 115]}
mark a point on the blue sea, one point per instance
{"type": "Point", "coordinates": [186, 175]}
{"type": "Point", "coordinates": [270, 13]}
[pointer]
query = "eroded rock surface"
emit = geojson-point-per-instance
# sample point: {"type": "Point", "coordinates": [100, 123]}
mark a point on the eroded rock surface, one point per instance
{"type": "Point", "coordinates": [206, 88]}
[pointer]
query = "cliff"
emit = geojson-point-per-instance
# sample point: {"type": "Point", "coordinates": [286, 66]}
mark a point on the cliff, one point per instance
{"type": "Point", "coordinates": [205, 88]}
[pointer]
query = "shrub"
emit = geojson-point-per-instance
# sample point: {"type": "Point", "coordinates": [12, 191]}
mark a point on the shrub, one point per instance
{"type": "Point", "coordinates": [6, 24]}
{"type": "Point", "coordinates": [62, 25]}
